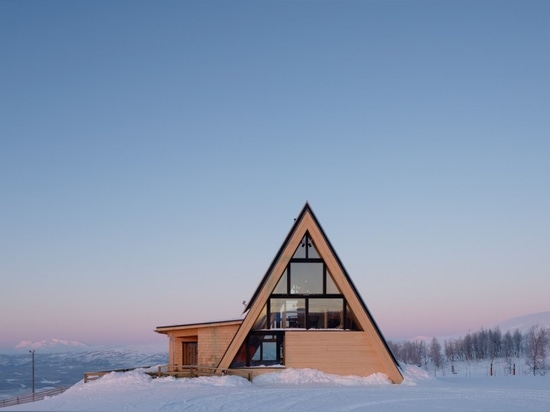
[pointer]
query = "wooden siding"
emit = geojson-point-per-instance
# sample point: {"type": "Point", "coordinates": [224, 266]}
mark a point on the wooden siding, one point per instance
{"type": "Point", "coordinates": [342, 353]}
{"type": "Point", "coordinates": [213, 342]}
{"type": "Point", "coordinates": [176, 338]}
{"type": "Point", "coordinates": [213, 336]}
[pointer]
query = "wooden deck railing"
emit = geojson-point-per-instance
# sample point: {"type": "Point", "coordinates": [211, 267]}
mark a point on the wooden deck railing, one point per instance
{"type": "Point", "coordinates": [37, 396]}
{"type": "Point", "coordinates": [186, 371]}
{"type": "Point", "coordinates": [177, 371]}
{"type": "Point", "coordinates": [194, 371]}
{"type": "Point", "coordinates": [92, 376]}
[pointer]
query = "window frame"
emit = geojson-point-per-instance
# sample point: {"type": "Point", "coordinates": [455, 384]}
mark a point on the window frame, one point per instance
{"type": "Point", "coordinates": [278, 338]}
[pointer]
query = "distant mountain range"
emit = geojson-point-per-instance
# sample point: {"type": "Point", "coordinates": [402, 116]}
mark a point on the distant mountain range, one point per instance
{"type": "Point", "coordinates": [58, 363]}
{"type": "Point", "coordinates": [524, 323]}
{"type": "Point", "coordinates": [52, 344]}
{"type": "Point", "coordinates": [55, 345]}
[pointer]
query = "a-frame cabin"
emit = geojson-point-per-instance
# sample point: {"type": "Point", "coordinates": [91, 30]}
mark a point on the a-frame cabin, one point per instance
{"type": "Point", "coordinates": [305, 313]}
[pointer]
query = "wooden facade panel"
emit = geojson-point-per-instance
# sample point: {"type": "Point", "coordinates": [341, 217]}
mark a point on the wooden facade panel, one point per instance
{"type": "Point", "coordinates": [176, 340]}
{"type": "Point", "coordinates": [213, 343]}
{"type": "Point", "coordinates": [343, 353]}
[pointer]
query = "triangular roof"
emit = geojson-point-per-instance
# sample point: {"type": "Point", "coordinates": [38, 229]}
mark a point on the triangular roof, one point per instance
{"type": "Point", "coordinates": [306, 222]}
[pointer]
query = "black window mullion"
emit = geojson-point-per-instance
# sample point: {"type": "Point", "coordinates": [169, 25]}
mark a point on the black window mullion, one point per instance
{"type": "Point", "coordinates": [345, 314]}
{"type": "Point", "coordinates": [268, 313]}
{"type": "Point", "coordinates": [280, 347]}
{"type": "Point", "coordinates": [306, 310]}
{"type": "Point", "coordinates": [288, 282]}
{"type": "Point", "coordinates": [248, 355]}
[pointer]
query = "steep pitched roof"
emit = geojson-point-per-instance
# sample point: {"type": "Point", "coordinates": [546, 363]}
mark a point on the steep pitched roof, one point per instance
{"type": "Point", "coordinates": [306, 222]}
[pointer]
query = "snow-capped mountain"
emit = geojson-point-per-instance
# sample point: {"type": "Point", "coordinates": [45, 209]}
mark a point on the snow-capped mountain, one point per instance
{"type": "Point", "coordinates": [52, 345]}
{"type": "Point", "coordinates": [524, 323]}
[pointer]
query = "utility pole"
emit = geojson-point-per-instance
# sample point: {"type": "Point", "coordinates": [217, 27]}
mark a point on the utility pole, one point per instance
{"type": "Point", "coordinates": [32, 353]}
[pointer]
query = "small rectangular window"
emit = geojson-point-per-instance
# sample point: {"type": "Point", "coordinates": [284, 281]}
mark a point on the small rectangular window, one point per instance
{"type": "Point", "coordinates": [260, 349]}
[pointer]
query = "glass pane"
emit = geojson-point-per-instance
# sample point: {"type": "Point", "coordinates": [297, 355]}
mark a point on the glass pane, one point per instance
{"type": "Point", "coordinates": [306, 278]}
{"type": "Point", "coordinates": [281, 287]}
{"type": "Point", "coordinates": [287, 313]}
{"type": "Point", "coordinates": [261, 322]}
{"type": "Point", "coordinates": [254, 347]}
{"type": "Point", "coordinates": [260, 350]}
{"type": "Point", "coordinates": [270, 350]}
{"type": "Point", "coordinates": [331, 286]}
{"type": "Point", "coordinates": [306, 249]}
{"type": "Point", "coordinates": [301, 251]}
{"type": "Point", "coordinates": [326, 314]}
{"type": "Point", "coordinates": [266, 350]}
{"type": "Point", "coordinates": [258, 354]}
{"type": "Point", "coordinates": [351, 322]}
{"type": "Point", "coordinates": [312, 252]}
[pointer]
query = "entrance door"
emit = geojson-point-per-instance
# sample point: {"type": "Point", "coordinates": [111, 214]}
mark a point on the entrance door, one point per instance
{"type": "Point", "coordinates": [190, 353]}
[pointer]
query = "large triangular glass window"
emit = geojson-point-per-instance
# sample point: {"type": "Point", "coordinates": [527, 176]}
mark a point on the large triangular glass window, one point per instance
{"type": "Point", "coordinates": [306, 295]}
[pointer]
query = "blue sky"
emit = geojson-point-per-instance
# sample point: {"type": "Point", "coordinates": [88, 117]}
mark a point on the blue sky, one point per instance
{"type": "Point", "coordinates": [153, 156]}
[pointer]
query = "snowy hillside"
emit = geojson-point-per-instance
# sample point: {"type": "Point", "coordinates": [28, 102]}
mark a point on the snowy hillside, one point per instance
{"type": "Point", "coordinates": [301, 390]}
{"type": "Point", "coordinates": [56, 368]}
{"type": "Point", "coordinates": [524, 323]}
{"type": "Point", "coordinates": [459, 385]}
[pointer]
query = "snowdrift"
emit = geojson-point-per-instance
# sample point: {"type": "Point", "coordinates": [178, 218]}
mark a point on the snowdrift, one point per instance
{"type": "Point", "coordinates": [301, 390]}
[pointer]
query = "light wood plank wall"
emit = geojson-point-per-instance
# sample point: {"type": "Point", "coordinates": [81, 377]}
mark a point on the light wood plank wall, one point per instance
{"type": "Point", "coordinates": [342, 353]}
{"type": "Point", "coordinates": [213, 343]}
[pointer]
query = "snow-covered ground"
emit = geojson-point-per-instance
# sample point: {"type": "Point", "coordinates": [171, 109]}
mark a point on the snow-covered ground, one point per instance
{"type": "Point", "coordinates": [302, 390]}
{"type": "Point", "coordinates": [65, 368]}
{"type": "Point", "coordinates": [469, 388]}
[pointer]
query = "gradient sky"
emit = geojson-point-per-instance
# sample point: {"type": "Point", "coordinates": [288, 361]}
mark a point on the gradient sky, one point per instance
{"type": "Point", "coordinates": [153, 156]}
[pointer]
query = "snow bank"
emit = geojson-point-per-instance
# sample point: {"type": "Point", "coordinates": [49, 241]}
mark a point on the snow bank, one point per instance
{"type": "Point", "coordinates": [139, 379]}
{"type": "Point", "coordinates": [300, 390]}
{"type": "Point", "coordinates": [227, 381]}
{"type": "Point", "coordinates": [312, 376]}
{"type": "Point", "coordinates": [413, 374]}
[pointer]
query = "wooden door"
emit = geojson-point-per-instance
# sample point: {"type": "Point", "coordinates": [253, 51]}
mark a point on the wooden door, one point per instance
{"type": "Point", "coordinates": [190, 353]}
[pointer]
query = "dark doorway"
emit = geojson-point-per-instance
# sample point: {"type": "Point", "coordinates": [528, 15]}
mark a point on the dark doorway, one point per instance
{"type": "Point", "coordinates": [190, 353]}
